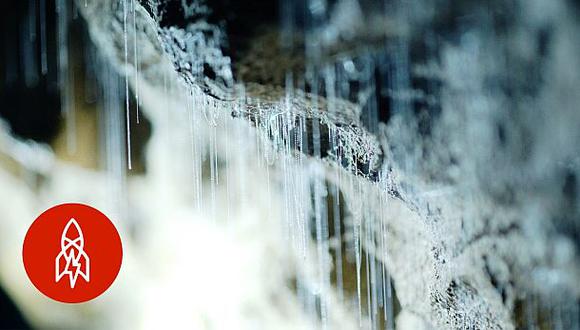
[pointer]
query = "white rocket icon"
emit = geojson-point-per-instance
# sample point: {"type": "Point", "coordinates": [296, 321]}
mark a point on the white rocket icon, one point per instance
{"type": "Point", "coordinates": [72, 259]}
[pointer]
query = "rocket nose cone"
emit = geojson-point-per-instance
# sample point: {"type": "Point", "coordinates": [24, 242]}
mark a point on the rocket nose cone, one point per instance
{"type": "Point", "coordinates": [72, 230]}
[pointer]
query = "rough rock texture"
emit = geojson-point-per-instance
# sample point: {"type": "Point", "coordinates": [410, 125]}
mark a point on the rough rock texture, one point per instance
{"type": "Point", "coordinates": [469, 160]}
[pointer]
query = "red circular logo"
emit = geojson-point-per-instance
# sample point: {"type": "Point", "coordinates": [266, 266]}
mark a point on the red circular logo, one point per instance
{"type": "Point", "coordinates": [72, 253]}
